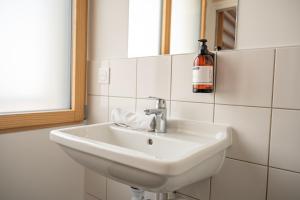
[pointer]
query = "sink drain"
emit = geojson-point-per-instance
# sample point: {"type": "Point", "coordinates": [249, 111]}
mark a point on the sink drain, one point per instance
{"type": "Point", "coordinates": [150, 141]}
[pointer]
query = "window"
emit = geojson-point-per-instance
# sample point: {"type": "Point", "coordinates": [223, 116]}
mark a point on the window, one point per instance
{"type": "Point", "coordinates": [43, 58]}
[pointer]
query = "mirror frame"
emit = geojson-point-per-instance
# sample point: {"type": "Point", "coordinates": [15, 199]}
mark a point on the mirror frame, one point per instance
{"type": "Point", "coordinates": [166, 24]}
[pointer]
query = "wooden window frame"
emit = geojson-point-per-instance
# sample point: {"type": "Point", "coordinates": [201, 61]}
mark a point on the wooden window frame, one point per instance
{"type": "Point", "coordinates": [13, 122]}
{"type": "Point", "coordinates": [166, 24]}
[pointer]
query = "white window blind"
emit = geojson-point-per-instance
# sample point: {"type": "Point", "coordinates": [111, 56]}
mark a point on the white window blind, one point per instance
{"type": "Point", "coordinates": [35, 55]}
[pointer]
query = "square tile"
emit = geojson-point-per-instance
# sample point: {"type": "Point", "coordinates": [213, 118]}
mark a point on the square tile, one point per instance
{"type": "Point", "coordinates": [251, 127]}
{"type": "Point", "coordinates": [245, 77]}
{"type": "Point", "coordinates": [122, 78]}
{"type": "Point", "coordinates": [154, 77]}
{"type": "Point", "coordinates": [95, 184]}
{"type": "Point", "coordinates": [182, 80]}
{"type": "Point", "coordinates": [192, 111]}
{"type": "Point", "coordinates": [283, 185]}
{"type": "Point", "coordinates": [199, 190]}
{"type": "Point", "coordinates": [120, 102]}
{"type": "Point", "coordinates": [285, 139]}
{"type": "Point", "coordinates": [117, 191]}
{"type": "Point", "coordinates": [239, 181]}
{"type": "Point", "coordinates": [286, 79]}
{"type": "Point", "coordinates": [97, 109]}
{"type": "Point", "coordinates": [142, 104]}
{"type": "Point", "coordinates": [94, 87]}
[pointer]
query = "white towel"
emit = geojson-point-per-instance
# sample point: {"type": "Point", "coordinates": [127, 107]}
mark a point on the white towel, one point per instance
{"type": "Point", "coordinates": [133, 120]}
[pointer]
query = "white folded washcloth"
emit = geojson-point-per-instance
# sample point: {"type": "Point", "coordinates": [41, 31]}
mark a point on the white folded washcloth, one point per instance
{"type": "Point", "coordinates": [133, 120]}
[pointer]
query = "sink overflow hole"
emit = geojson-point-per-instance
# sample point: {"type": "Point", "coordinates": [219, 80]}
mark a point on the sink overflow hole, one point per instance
{"type": "Point", "coordinates": [150, 141]}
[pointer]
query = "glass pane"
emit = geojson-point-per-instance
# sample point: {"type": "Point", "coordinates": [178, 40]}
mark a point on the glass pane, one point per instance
{"type": "Point", "coordinates": [35, 55]}
{"type": "Point", "coordinates": [185, 26]}
{"type": "Point", "coordinates": [144, 27]}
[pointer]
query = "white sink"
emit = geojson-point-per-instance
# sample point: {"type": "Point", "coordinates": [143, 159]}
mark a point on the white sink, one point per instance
{"type": "Point", "coordinates": [190, 151]}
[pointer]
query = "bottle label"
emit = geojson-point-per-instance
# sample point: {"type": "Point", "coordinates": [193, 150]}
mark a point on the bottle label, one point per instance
{"type": "Point", "coordinates": [203, 75]}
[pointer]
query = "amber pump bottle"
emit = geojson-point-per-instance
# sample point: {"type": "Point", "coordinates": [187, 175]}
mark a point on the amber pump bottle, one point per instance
{"type": "Point", "coordinates": [203, 70]}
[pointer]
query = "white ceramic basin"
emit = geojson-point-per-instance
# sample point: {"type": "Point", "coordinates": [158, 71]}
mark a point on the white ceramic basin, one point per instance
{"type": "Point", "coordinates": [190, 151]}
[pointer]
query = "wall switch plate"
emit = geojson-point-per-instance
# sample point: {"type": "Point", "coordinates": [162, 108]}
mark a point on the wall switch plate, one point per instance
{"type": "Point", "coordinates": [103, 75]}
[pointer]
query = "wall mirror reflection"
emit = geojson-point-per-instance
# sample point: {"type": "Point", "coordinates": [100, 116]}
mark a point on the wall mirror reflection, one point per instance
{"type": "Point", "coordinates": [174, 26]}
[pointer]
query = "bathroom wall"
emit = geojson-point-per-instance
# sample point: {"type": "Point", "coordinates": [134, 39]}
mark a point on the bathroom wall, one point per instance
{"type": "Point", "coordinates": [244, 99]}
{"type": "Point", "coordinates": [256, 93]}
{"type": "Point", "coordinates": [33, 168]}
{"type": "Point", "coordinates": [268, 23]}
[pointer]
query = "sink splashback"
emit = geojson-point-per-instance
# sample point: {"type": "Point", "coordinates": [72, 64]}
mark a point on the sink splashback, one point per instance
{"type": "Point", "coordinates": [251, 84]}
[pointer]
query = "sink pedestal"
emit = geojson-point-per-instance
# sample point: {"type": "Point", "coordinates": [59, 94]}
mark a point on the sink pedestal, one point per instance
{"type": "Point", "coordinates": [137, 194]}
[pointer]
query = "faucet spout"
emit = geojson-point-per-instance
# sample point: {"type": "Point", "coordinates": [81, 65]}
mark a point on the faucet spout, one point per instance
{"type": "Point", "coordinates": [153, 111]}
{"type": "Point", "coordinates": [160, 113]}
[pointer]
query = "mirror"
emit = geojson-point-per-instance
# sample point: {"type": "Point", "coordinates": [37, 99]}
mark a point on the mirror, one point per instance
{"type": "Point", "coordinates": [174, 26]}
{"type": "Point", "coordinates": [221, 24]}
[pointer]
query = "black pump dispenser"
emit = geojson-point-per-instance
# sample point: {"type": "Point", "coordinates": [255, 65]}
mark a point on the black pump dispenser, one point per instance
{"type": "Point", "coordinates": [203, 47]}
{"type": "Point", "coordinates": [203, 70]}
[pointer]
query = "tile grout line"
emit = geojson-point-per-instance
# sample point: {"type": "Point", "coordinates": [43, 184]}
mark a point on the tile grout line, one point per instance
{"type": "Point", "coordinates": [200, 102]}
{"type": "Point", "coordinates": [186, 195]}
{"type": "Point", "coordinates": [214, 114]}
{"type": "Point", "coordinates": [215, 85]}
{"type": "Point", "coordinates": [92, 195]}
{"type": "Point", "coordinates": [136, 84]}
{"type": "Point", "coordinates": [270, 124]}
{"type": "Point", "coordinates": [286, 170]}
{"type": "Point", "coordinates": [245, 161]}
{"type": "Point", "coordinates": [108, 99]}
{"type": "Point", "coordinates": [106, 188]}
{"type": "Point", "coordinates": [262, 165]}
{"type": "Point", "coordinates": [214, 110]}
{"type": "Point", "coordinates": [210, 188]}
{"type": "Point", "coordinates": [171, 80]}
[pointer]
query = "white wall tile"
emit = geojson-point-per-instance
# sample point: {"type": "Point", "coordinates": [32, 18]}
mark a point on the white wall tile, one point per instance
{"type": "Point", "coordinates": [117, 191]}
{"type": "Point", "coordinates": [123, 103]}
{"type": "Point", "coordinates": [261, 31]}
{"type": "Point", "coordinates": [90, 197]}
{"type": "Point", "coordinates": [285, 139]}
{"type": "Point", "coordinates": [283, 185]}
{"type": "Point", "coordinates": [245, 77]}
{"type": "Point", "coordinates": [239, 181]}
{"type": "Point", "coordinates": [192, 111]}
{"type": "Point", "coordinates": [286, 80]}
{"type": "Point", "coordinates": [142, 104]}
{"type": "Point", "coordinates": [182, 80]}
{"type": "Point", "coordinates": [95, 184]}
{"type": "Point", "coordinates": [94, 87]}
{"type": "Point", "coordinates": [154, 77]}
{"type": "Point", "coordinates": [97, 109]}
{"type": "Point", "coordinates": [199, 190]}
{"type": "Point", "coordinates": [122, 78]}
{"type": "Point", "coordinates": [251, 127]}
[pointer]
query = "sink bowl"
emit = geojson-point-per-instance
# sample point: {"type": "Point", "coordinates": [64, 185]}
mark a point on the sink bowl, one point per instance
{"type": "Point", "coordinates": [189, 152]}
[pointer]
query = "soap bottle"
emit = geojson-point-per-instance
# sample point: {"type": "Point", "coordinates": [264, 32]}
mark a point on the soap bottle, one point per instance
{"type": "Point", "coordinates": [203, 70]}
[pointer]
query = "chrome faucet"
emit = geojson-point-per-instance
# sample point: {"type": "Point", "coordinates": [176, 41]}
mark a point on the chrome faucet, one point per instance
{"type": "Point", "coordinates": [160, 113]}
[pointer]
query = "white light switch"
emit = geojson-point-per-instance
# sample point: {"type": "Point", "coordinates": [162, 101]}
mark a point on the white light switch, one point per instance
{"type": "Point", "coordinates": [103, 75]}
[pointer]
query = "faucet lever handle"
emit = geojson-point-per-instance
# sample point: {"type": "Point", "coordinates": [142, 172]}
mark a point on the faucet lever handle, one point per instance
{"type": "Point", "coordinates": [160, 103]}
